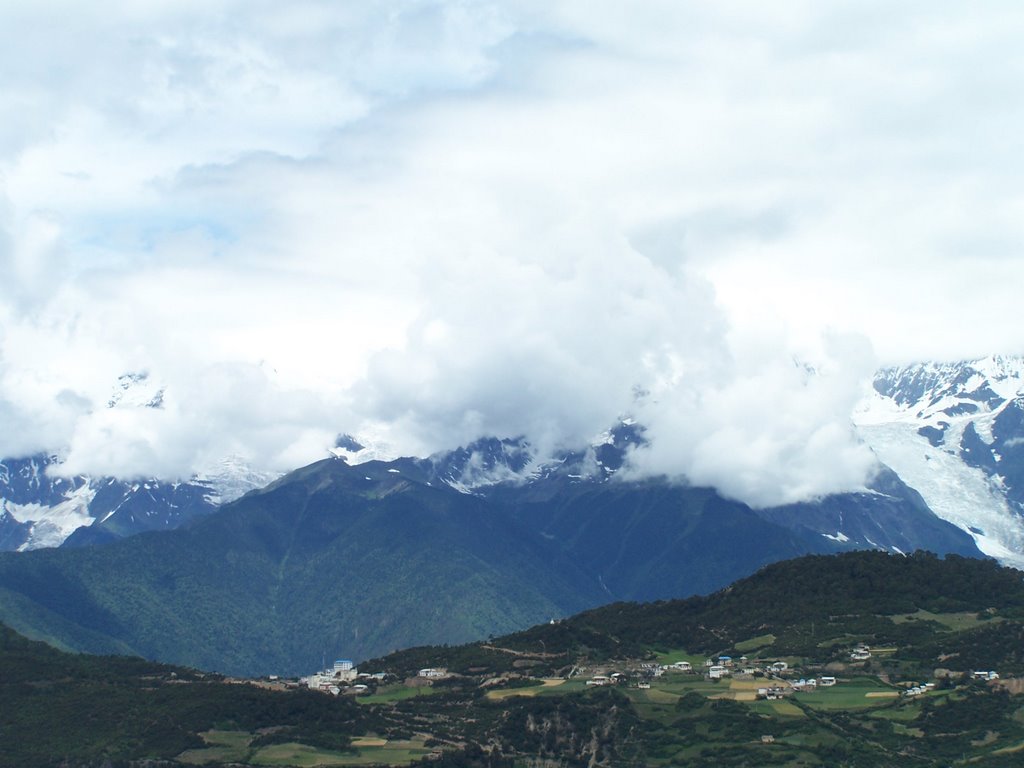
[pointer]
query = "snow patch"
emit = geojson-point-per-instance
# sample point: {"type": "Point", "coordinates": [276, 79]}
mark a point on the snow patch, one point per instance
{"type": "Point", "coordinates": [954, 491]}
{"type": "Point", "coordinates": [50, 526]}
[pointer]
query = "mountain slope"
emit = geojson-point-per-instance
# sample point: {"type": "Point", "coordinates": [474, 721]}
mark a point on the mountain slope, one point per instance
{"type": "Point", "coordinates": [650, 541]}
{"type": "Point", "coordinates": [360, 560]}
{"type": "Point", "coordinates": [491, 709]}
{"type": "Point", "coordinates": [577, 497]}
{"type": "Point", "coordinates": [331, 558]}
{"type": "Point", "coordinates": [888, 515]}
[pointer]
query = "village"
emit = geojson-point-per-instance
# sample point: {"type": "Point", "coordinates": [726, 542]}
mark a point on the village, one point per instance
{"type": "Point", "coordinates": [742, 678]}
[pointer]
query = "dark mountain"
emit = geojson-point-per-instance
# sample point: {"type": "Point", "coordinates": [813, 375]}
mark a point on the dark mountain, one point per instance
{"type": "Point", "coordinates": [360, 560]}
{"type": "Point", "coordinates": [331, 558]}
{"type": "Point", "coordinates": [577, 498]}
{"type": "Point", "coordinates": [815, 607]}
{"type": "Point", "coordinates": [650, 541]}
{"type": "Point", "coordinates": [60, 709]}
{"type": "Point", "coordinates": [890, 515]}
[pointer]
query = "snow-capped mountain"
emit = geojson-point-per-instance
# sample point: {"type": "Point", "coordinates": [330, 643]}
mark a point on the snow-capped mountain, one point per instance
{"type": "Point", "coordinates": [40, 507]}
{"type": "Point", "coordinates": [490, 461]}
{"type": "Point", "coordinates": [955, 433]}
{"type": "Point", "coordinates": [887, 514]}
{"type": "Point", "coordinates": [949, 439]}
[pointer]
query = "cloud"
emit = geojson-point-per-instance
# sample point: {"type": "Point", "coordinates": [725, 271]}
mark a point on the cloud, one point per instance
{"type": "Point", "coordinates": [437, 220]}
{"type": "Point", "coordinates": [764, 430]}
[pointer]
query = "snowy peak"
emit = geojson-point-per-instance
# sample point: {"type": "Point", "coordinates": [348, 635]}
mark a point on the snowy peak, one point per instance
{"type": "Point", "coordinates": [930, 389]}
{"type": "Point", "coordinates": [40, 508]}
{"type": "Point", "coordinates": [955, 433]}
{"type": "Point", "coordinates": [484, 462]}
{"type": "Point", "coordinates": [493, 461]}
{"type": "Point", "coordinates": [136, 390]}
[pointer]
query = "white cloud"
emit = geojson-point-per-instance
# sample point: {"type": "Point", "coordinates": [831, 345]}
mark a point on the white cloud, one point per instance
{"type": "Point", "coordinates": [446, 219]}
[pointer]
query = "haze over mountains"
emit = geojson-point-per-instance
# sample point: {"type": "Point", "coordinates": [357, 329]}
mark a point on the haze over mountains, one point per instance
{"type": "Point", "coordinates": [950, 438]}
{"type": "Point", "coordinates": [363, 558]}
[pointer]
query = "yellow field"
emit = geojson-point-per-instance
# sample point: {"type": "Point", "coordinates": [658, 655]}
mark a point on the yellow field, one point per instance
{"type": "Point", "coordinates": [548, 682]}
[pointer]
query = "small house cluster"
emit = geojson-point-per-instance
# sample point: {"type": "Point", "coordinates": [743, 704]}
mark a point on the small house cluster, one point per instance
{"type": "Point", "coordinates": [918, 690]}
{"type": "Point", "coordinates": [343, 677]}
{"type": "Point", "coordinates": [432, 673]}
{"type": "Point", "coordinates": [860, 653]}
{"type": "Point", "coordinates": [615, 678]}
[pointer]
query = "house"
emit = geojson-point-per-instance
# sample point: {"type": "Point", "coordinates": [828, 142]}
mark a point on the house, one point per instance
{"type": "Point", "coordinates": [860, 653]}
{"type": "Point", "coordinates": [773, 692]}
{"type": "Point", "coordinates": [985, 675]}
{"type": "Point", "coordinates": [717, 672]}
{"type": "Point", "coordinates": [433, 672]}
{"type": "Point", "coordinates": [778, 666]}
{"type": "Point", "coordinates": [826, 682]}
{"type": "Point", "coordinates": [344, 669]}
{"type": "Point", "coordinates": [768, 739]}
{"type": "Point", "coordinates": [683, 666]}
{"type": "Point", "coordinates": [599, 680]}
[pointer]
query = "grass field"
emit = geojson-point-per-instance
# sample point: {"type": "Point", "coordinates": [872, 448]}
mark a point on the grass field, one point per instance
{"type": "Point", "coordinates": [568, 686]}
{"type": "Point", "coordinates": [953, 621]}
{"type": "Point", "coordinates": [396, 693]}
{"type": "Point", "coordinates": [371, 752]}
{"type": "Point", "coordinates": [859, 693]}
{"type": "Point", "coordinates": [224, 746]}
{"type": "Point", "coordinates": [678, 654]}
{"type": "Point", "coordinates": [777, 707]}
{"type": "Point", "coordinates": [754, 643]}
{"type": "Point", "coordinates": [233, 747]}
{"type": "Point", "coordinates": [533, 690]}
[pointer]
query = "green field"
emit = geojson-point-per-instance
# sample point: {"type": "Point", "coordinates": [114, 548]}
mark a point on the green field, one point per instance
{"type": "Point", "coordinates": [954, 621]}
{"type": "Point", "coordinates": [389, 693]}
{"type": "Point", "coordinates": [234, 747]}
{"type": "Point", "coordinates": [225, 746]}
{"type": "Point", "coordinates": [859, 693]}
{"type": "Point", "coordinates": [392, 753]}
{"type": "Point", "coordinates": [679, 654]}
{"type": "Point", "coordinates": [755, 643]}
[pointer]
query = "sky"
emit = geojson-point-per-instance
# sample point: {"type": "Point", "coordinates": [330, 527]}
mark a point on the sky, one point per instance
{"type": "Point", "coordinates": [425, 221]}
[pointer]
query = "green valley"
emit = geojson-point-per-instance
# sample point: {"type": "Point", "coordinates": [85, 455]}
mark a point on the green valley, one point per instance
{"type": "Point", "coordinates": [860, 659]}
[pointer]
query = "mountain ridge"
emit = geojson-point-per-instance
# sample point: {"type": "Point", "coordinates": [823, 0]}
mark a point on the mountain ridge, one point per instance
{"type": "Point", "coordinates": [373, 556]}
